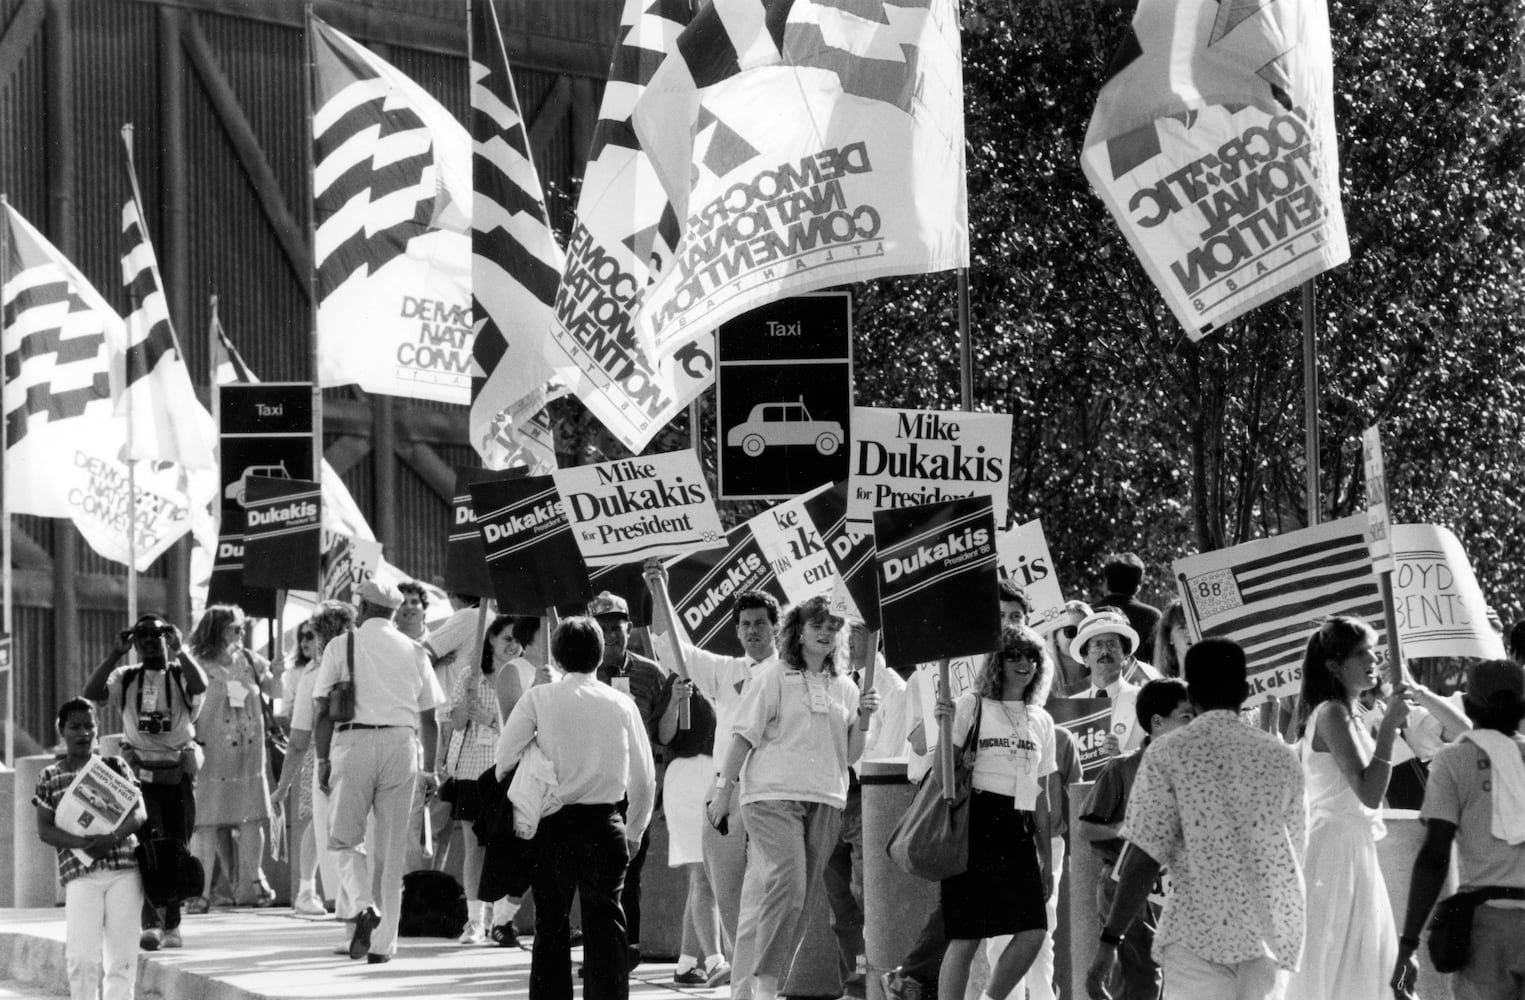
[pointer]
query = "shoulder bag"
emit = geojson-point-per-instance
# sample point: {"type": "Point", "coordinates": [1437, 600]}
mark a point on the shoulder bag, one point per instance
{"type": "Point", "coordinates": [341, 697]}
{"type": "Point", "coordinates": [931, 841]}
{"type": "Point", "coordinates": [1451, 926]}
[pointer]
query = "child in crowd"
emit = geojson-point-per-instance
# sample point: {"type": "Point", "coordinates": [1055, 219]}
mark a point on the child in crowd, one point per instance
{"type": "Point", "coordinates": [103, 893]}
{"type": "Point", "coordinates": [1163, 706]}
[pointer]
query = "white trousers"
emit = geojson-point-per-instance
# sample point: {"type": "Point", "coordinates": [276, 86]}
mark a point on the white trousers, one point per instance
{"type": "Point", "coordinates": [1190, 977]}
{"type": "Point", "coordinates": [102, 917]}
{"type": "Point", "coordinates": [375, 772]}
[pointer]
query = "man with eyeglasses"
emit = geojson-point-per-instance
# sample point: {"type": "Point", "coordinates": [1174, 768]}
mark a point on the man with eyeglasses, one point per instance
{"type": "Point", "coordinates": [1105, 642]}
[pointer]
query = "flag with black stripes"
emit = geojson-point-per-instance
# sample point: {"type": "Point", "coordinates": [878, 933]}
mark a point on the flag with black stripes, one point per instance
{"type": "Point", "coordinates": [1269, 596]}
{"type": "Point", "coordinates": [803, 144]}
{"type": "Point", "coordinates": [64, 438]}
{"type": "Point", "coordinates": [515, 266]}
{"type": "Point", "coordinates": [1213, 146]}
{"type": "Point", "coordinates": [392, 189]}
{"type": "Point", "coordinates": [623, 236]}
{"type": "Point", "coordinates": [166, 422]}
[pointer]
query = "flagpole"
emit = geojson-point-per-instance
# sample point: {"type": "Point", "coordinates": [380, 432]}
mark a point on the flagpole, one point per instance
{"type": "Point", "coordinates": [1311, 397]}
{"type": "Point", "coordinates": [5, 514]}
{"type": "Point", "coordinates": [132, 463]}
{"type": "Point", "coordinates": [965, 347]}
{"type": "Point", "coordinates": [216, 394]}
{"type": "Point", "coordinates": [312, 272]}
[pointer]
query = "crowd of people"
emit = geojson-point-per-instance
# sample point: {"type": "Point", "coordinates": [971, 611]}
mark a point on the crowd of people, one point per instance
{"type": "Point", "coordinates": [1236, 848]}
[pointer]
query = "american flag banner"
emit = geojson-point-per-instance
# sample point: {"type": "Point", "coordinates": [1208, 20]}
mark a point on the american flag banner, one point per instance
{"type": "Point", "coordinates": [1270, 595]}
{"type": "Point", "coordinates": [804, 144]}
{"type": "Point", "coordinates": [515, 266]}
{"type": "Point", "coordinates": [152, 383]}
{"type": "Point", "coordinates": [392, 190]}
{"type": "Point", "coordinates": [1213, 146]}
{"type": "Point", "coordinates": [64, 438]}
{"type": "Point", "coordinates": [624, 235]}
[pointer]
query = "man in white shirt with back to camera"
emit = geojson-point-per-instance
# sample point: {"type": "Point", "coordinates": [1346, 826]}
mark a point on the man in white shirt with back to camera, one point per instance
{"type": "Point", "coordinates": [596, 743]}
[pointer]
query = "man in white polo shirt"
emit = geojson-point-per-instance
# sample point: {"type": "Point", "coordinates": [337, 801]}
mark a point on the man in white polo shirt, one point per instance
{"type": "Point", "coordinates": [722, 679]}
{"type": "Point", "coordinates": [370, 763]}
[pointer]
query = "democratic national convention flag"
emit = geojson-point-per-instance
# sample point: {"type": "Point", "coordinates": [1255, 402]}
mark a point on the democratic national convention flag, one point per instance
{"type": "Point", "coordinates": [804, 144]}
{"type": "Point", "coordinates": [1270, 594]}
{"type": "Point", "coordinates": [624, 235]}
{"type": "Point", "coordinates": [151, 382]}
{"type": "Point", "coordinates": [515, 266]}
{"type": "Point", "coordinates": [64, 438]}
{"type": "Point", "coordinates": [1213, 146]}
{"type": "Point", "coordinates": [392, 183]}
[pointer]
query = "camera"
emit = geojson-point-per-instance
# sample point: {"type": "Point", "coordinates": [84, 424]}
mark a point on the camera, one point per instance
{"type": "Point", "coordinates": [145, 631]}
{"type": "Point", "coordinates": [154, 723]}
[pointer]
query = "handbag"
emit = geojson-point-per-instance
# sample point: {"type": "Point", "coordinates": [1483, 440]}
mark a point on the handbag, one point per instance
{"type": "Point", "coordinates": [341, 697]}
{"type": "Point", "coordinates": [1451, 926]}
{"type": "Point", "coordinates": [931, 841]}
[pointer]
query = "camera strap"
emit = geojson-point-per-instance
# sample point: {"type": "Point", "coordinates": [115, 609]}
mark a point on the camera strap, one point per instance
{"type": "Point", "coordinates": [174, 671]}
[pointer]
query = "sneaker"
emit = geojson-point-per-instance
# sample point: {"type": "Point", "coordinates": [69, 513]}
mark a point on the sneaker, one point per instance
{"type": "Point", "coordinates": [473, 933]}
{"type": "Point", "coordinates": [366, 921]}
{"type": "Point", "coordinates": [196, 904]}
{"type": "Point", "coordinates": [150, 939]}
{"type": "Point", "coordinates": [718, 975]}
{"type": "Point", "coordinates": [690, 977]}
{"type": "Point", "coordinates": [172, 939]}
{"type": "Point", "coordinates": [505, 935]}
{"type": "Point", "coordinates": [309, 905]}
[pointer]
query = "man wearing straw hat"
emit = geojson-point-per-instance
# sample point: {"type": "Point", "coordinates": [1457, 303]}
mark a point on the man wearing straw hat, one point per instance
{"type": "Point", "coordinates": [1105, 643]}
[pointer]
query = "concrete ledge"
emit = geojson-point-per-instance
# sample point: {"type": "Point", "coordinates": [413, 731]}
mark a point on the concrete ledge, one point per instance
{"type": "Point", "coordinates": [276, 955]}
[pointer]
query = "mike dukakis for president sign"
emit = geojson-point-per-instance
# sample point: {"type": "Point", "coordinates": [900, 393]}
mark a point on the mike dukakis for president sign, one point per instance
{"type": "Point", "coordinates": [937, 580]}
{"type": "Point", "coordinates": [283, 528]}
{"type": "Point", "coordinates": [904, 458]}
{"type": "Point", "coordinates": [635, 508]}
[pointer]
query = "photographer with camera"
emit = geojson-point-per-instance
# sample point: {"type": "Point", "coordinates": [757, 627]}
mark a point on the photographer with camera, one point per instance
{"type": "Point", "coordinates": [159, 698]}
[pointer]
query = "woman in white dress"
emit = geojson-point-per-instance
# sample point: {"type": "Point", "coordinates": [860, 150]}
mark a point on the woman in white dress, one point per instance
{"type": "Point", "coordinates": [1351, 940]}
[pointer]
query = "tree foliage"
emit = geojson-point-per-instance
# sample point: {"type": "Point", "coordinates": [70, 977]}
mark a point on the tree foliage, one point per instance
{"type": "Point", "coordinates": [1130, 436]}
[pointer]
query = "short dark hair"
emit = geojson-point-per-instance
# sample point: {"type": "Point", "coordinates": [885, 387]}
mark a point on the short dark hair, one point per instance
{"type": "Point", "coordinates": [1159, 697]}
{"type": "Point", "coordinates": [71, 706]}
{"type": "Point", "coordinates": [1517, 642]}
{"type": "Point", "coordinates": [415, 588]}
{"type": "Point", "coordinates": [1014, 594]}
{"type": "Point", "coordinates": [1501, 710]}
{"type": "Point", "coordinates": [578, 644]}
{"type": "Point", "coordinates": [1124, 572]}
{"type": "Point", "coordinates": [1216, 674]}
{"type": "Point", "coordinates": [749, 599]}
{"type": "Point", "coordinates": [526, 627]}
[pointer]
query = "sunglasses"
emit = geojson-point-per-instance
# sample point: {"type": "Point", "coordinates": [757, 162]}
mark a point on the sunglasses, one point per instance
{"type": "Point", "coordinates": [307, 636]}
{"type": "Point", "coordinates": [1069, 631]}
{"type": "Point", "coordinates": [1030, 654]}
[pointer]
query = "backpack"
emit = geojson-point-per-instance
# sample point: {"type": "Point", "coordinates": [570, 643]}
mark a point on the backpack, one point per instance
{"type": "Point", "coordinates": [433, 905]}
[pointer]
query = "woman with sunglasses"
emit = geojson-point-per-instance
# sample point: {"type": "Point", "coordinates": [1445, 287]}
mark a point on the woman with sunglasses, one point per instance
{"type": "Point", "coordinates": [795, 734]}
{"type": "Point", "coordinates": [1006, 885]}
{"type": "Point", "coordinates": [331, 618]}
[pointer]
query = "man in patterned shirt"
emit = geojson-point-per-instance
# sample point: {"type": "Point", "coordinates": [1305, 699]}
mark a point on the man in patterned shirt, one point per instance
{"type": "Point", "coordinates": [1221, 805]}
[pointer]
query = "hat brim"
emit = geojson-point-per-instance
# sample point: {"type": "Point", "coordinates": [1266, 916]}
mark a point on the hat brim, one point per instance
{"type": "Point", "coordinates": [1090, 632]}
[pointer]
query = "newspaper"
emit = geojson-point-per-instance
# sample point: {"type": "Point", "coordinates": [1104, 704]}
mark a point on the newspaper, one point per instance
{"type": "Point", "coordinates": [96, 802]}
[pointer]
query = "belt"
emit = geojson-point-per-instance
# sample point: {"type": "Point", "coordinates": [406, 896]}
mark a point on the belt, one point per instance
{"type": "Point", "coordinates": [345, 727]}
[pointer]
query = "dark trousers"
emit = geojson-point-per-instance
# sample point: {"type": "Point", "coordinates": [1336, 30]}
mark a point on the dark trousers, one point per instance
{"type": "Point", "coordinates": [844, 888]}
{"type": "Point", "coordinates": [172, 811]}
{"type": "Point", "coordinates": [925, 959]}
{"type": "Point", "coordinates": [580, 849]}
{"type": "Point", "coordinates": [1138, 977]}
{"type": "Point", "coordinates": [630, 897]}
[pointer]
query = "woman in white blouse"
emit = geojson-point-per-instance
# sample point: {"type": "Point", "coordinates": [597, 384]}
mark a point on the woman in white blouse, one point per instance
{"type": "Point", "coordinates": [1005, 887]}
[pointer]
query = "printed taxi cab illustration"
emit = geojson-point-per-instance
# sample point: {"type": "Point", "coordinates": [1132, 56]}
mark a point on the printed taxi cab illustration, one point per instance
{"type": "Point", "coordinates": [783, 423]}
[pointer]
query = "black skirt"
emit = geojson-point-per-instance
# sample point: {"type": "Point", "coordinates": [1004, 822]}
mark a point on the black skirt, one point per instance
{"type": "Point", "coordinates": [1002, 892]}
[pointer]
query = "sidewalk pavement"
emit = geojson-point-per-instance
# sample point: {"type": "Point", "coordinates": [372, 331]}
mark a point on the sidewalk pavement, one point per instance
{"type": "Point", "coordinates": [276, 955]}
